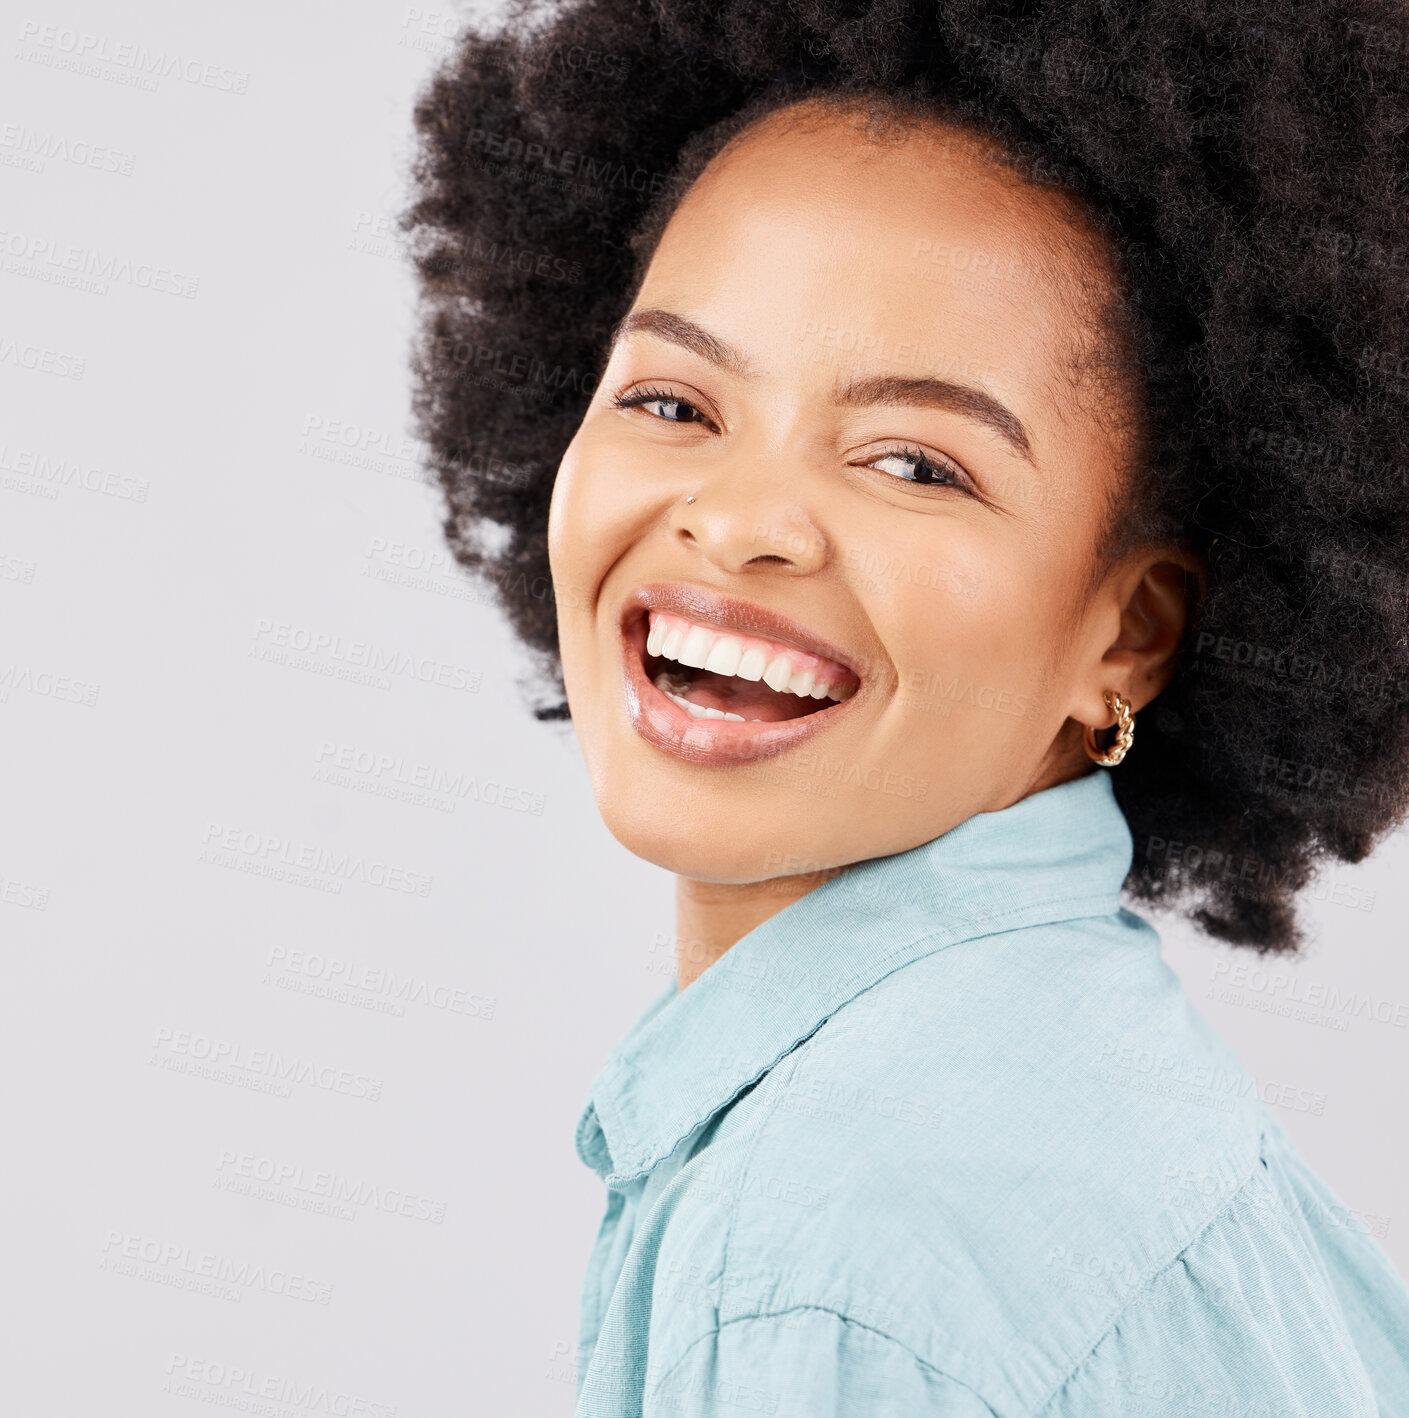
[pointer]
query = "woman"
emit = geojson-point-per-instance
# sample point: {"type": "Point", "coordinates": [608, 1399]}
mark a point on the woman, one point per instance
{"type": "Point", "coordinates": [953, 434]}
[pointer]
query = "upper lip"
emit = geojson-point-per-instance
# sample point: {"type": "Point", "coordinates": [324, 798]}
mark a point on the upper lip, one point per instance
{"type": "Point", "coordinates": [699, 603]}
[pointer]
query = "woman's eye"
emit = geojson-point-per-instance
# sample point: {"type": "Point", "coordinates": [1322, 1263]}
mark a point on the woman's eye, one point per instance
{"type": "Point", "coordinates": [661, 405]}
{"type": "Point", "coordinates": [912, 466]}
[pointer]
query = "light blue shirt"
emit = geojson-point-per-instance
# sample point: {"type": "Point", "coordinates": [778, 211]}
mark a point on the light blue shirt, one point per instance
{"type": "Point", "coordinates": [945, 1136]}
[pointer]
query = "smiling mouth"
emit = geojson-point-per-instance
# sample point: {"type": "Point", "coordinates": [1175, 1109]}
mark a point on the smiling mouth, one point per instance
{"type": "Point", "coordinates": [714, 673]}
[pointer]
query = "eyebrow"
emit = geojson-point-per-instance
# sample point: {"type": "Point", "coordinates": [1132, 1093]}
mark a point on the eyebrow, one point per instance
{"type": "Point", "coordinates": [680, 331]}
{"type": "Point", "coordinates": [962, 399]}
{"type": "Point", "coordinates": [917, 392]}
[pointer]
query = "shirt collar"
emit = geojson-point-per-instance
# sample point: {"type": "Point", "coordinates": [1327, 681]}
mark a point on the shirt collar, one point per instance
{"type": "Point", "coordinates": [1057, 855]}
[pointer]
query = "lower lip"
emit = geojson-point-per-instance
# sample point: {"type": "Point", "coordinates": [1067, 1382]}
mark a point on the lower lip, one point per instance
{"type": "Point", "coordinates": [666, 726]}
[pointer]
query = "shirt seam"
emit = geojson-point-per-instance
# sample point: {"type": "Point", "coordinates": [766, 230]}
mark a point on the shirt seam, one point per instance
{"type": "Point", "coordinates": [1126, 1305]}
{"type": "Point", "coordinates": [1091, 899]}
{"type": "Point", "coordinates": [845, 1319]}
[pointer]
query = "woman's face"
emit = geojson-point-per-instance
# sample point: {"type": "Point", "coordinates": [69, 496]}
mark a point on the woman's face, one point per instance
{"type": "Point", "coordinates": [838, 486]}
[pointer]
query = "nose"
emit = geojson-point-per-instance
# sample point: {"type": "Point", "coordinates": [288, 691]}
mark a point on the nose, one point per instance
{"type": "Point", "coordinates": [742, 522]}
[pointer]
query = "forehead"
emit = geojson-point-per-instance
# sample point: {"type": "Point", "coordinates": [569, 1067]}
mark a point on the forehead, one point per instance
{"type": "Point", "coordinates": [812, 239]}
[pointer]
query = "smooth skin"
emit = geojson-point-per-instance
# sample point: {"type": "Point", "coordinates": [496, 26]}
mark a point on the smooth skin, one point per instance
{"type": "Point", "coordinates": [989, 632]}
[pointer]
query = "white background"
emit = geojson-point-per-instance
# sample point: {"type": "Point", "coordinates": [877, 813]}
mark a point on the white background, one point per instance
{"type": "Point", "coordinates": [232, 470]}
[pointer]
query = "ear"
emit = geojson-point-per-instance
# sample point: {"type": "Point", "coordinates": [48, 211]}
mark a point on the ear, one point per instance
{"type": "Point", "coordinates": [1146, 607]}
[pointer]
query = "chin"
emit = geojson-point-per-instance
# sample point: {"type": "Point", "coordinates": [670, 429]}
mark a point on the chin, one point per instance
{"type": "Point", "coordinates": [709, 846]}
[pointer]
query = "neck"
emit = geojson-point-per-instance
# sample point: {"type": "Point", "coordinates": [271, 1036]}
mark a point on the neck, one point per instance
{"type": "Point", "coordinates": [710, 916]}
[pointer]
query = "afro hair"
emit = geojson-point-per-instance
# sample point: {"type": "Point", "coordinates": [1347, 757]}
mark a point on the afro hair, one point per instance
{"type": "Point", "coordinates": [1248, 165]}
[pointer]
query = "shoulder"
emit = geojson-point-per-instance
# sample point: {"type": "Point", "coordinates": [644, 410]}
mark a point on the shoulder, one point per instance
{"type": "Point", "coordinates": [1060, 1065]}
{"type": "Point", "coordinates": [1023, 1175]}
{"type": "Point", "coordinates": [985, 1155]}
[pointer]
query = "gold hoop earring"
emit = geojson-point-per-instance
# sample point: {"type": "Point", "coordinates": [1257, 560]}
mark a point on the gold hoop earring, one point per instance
{"type": "Point", "coordinates": [1124, 732]}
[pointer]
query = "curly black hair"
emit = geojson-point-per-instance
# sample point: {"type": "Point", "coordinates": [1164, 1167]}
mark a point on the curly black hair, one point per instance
{"type": "Point", "coordinates": [1248, 165]}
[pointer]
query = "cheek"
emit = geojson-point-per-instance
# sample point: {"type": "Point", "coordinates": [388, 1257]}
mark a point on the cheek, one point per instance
{"type": "Point", "coordinates": [570, 542]}
{"type": "Point", "coordinates": [977, 618]}
{"type": "Point", "coordinates": [579, 543]}
{"type": "Point", "coordinates": [568, 538]}
{"type": "Point", "coordinates": [596, 512]}
{"type": "Point", "coordinates": [595, 519]}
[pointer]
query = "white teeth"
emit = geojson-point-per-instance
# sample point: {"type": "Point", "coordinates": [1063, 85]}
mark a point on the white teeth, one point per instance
{"type": "Point", "coordinates": [725, 656]}
{"type": "Point", "coordinates": [731, 655]}
{"type": "Point", "coordinates": [702, 711]}
{"type": "Point", "coordinates": [697, 710]}
{"type": "Point", "coordinates": [779, 673]}
{"type": "Point", "coordinates": [695, 650]}
{"type": "Point", "coordinates": [753, 663]}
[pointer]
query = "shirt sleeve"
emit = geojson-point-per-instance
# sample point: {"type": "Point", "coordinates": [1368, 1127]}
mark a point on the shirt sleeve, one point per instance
{"type": "Point", "coordinates": [804, 1363]}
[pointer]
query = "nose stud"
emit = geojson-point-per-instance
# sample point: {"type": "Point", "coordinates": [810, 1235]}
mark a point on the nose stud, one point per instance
{"type": "Point", "coordinates": [689, 500]}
